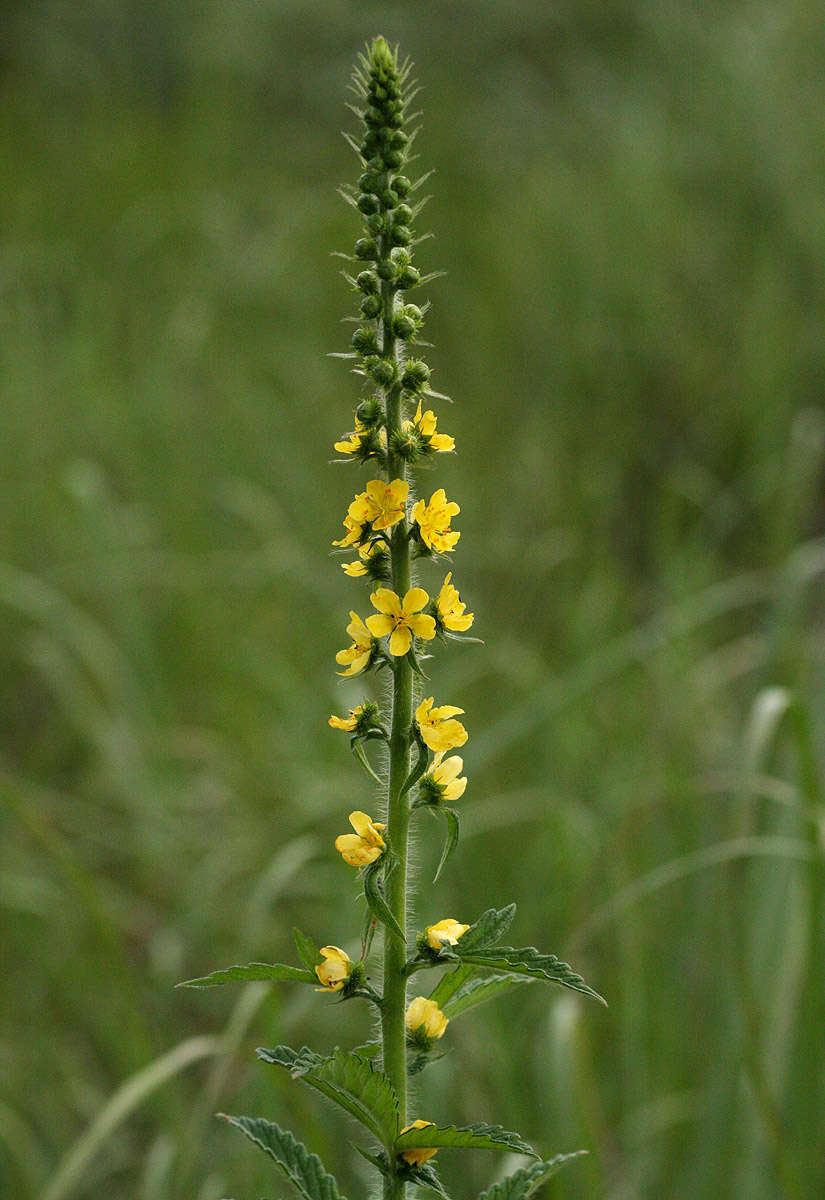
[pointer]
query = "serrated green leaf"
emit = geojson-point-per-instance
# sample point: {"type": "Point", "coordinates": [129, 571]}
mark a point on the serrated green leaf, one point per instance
{"type": "Point", "coordinates": [450, 983]}
{"type": "Point", "coordinates": [352, 1082]}
{"type": "Point", "coordinates": [304, 1169]}
{"type": "Point", "coordinates": [377, 903]}
{"type": "Point", "coordinates": [308, 952]}
{"type": "Point", "coordinates": [297, 1062]}
{"type": "Point", "coordinates": [490, 926]}
{"type": "Point", "coordinates": [478, 989]}
{"type": "Point", "coordinates": [266, 971]}
{"type": "Point", "coordinates": [524, 1182]}
{"type": "Point", "coordinates": [470, 1137]}
{"type": "Point", "coordinates": [450, 839]}
{"type": "Point", "coordinates": [527, 961]}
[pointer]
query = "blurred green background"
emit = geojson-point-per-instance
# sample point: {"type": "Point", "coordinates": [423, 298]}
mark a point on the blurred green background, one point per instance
{"type": "Point", "coordinates": [628, 206]}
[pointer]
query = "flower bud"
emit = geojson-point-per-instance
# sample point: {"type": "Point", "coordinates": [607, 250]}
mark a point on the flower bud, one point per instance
{"type": "Point", "coordinates": [408, 278]}
{"type": "Point", "coordinates": [416, 375]}
{"type": "Point", "coordinates": [335, 970]}
{"type": "Point", "coordinates": [403, 214]}
{"type": "Point", "coordinates": [366, 248]}
{"type": "Point", "coordinates": [383, 370]}
{"type": "Point", "coordinates": [370, 412]}
{"type": "Point", "coordinates": [419, 1154]}
{"type": "Point", "coordinates": [375, 223]}
{"type": "Point", "coordinates": [385, 268]}
{"type": "Point", "coordinates": [400, 235]}
{"type": "Point", "coordinates": [365, 340]}
{"type": "Point", "coordinates": [371, 306]}
{"type": "Point", "coordinates": [425, 1020]}
{"type": "Point", "coordinates": [388, 198]}
{"type": "Point", "coordinates": [367, 203]}
{"type": "Point", "coordinates": [402, 185]}
{"type": "Point", "coordinates": [368, 283]}
{"type": "Point", "coordinates": [393, 158]}
{"type": "Point", "coordinates": [368, 182]}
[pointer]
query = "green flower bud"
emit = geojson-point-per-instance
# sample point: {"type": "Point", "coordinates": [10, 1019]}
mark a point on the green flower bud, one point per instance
{"type": "Point", "coordinates": [402, 214]}
{"type": "Point", "coordinates": [388, 198]}
{"type": "Point", "coordinates": [385, 268]}
{"type": "Point", "coordinates": [365, 340]}
{"type": "Point", "coordinates": [370, 412]}
{"type": "Point", "coordinates": [375, 223]}
{"type": "Point", "coordinates": [366, 248]}
{"type": "Point", "coordinates": [399, 139]}
{"type": "Point", "coordinates": [367, 203]}
{"type": "Point", "coordinates": [383, 370]}
{"type": "Point", "coordinates": [401, 184]}
{"type": "Point", "coordinates": [416, 376]}
{"type": "Point", "coordinates": [401, 235]}
{"type": "Point", "coordinates": [403, 326]}
{"type": "Point", "coordinates": [368, 283]}
{"type": "Point", "coordinates": [408, 278]}
{"type": "Point", "coordinates": [371, 307]}
{"type": "Point", "coordinates": [368, 182]}
{"type": "Point", "coordinates": [406, 443]}
{"type": "Point", "coordinates": [393, 158]}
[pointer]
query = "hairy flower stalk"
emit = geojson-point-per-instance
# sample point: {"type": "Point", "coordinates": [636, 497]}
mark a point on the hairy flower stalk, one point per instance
{"type": "Point", "coordinates": [390, 531]}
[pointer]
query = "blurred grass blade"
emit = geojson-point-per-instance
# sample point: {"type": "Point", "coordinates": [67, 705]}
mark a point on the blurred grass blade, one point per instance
{"type": "Point", "coordinates": [120, 1106]}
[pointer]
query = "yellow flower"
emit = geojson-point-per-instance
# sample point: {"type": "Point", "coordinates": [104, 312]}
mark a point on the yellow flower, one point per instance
{"type": "Point", "coordinates": [386, 502]}
{"type": "Point", "coordinates": [401, 619]}
{"type": "Point", "coordinates": [348, 723]}
{"type": "Point", "coordinates": [420, 1154]}
{"type": "Point", "coordinates": [442, 781]}
{"type": "Point", "coordinates": [445, 933]}
{"type": "Point", "coordinates": [335, 971]}
{"type": "Point", "coordinates": [424, 1017]}
{"type": "Point", "coordinates": [438, 728]}
{"type": "Point", "coordinates": [356, 522]}
{"type": "Point", "coordinates": [451, 608]}
{"type": "Point", "coordinates": [353, 440]}
{"type": "Point", "coordinates": [365, 845]}
{"type": "Point", "coordinates": [434, 521]}
{"type": "Point", "coordinates": [425, 424]}
{"type": "Point", "coordinates": [356, 656]}
{"type": "Point", "coordinates": [354, 569]}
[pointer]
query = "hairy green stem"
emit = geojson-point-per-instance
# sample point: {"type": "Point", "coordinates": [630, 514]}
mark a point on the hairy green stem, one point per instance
{"type": "Point", "coordinates": [394, 1034]}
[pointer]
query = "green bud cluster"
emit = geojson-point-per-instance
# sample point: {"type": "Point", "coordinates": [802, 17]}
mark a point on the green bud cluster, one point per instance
{"type": "Point", "coordinates": [382, 199]}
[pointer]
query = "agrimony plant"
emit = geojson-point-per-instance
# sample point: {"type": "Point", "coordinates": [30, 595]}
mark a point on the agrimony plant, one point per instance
{"type": "Point", "coordinates": [386, 534]}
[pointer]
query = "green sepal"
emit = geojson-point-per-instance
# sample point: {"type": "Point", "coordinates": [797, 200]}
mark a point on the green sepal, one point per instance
{"type": "Point", "coordinates": [308, 952]}
{"type": "Point", "coordinates": [352, 1082]}
{"type": "Point", "coordinates": [304, 1169]}
{"type": "Point", "coordinates": [261, 971]}
{"type": "Point", "coordinates": [360, 754]}
{"type": "Point", "coordinates": [378, 1160]}
{"type": "Point", "coordinates": [450, 839]}
{"type": "Point", "coordinates": [427, 1176]}
{"type": "Point", "coordinates": [471, 1137]}
{"type": "Point", "coordinates": [530, 962]}
{"type": "Point", "coordinates": [420, 763]}
{"type": "Point", "coordinates": [524, 1182]}
{"type": "Point", "coordinates": [375, 898]}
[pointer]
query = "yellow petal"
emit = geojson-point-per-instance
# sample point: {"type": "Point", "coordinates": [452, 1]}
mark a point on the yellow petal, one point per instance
{"type": "Point", "coordinates": [414, 600]}
{"type": "Point", "coordinates": [380, 625]}
{"type": "Point", "coordinates": [386, 601]}
{"type": "Point", "coordinates": [400, 641]}
{"type": "Point", "coordinates": [422, 625]}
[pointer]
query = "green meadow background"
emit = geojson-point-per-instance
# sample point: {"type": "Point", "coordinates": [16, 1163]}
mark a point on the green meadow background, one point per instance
{"type": "Point", "coordinates": [628, 204]}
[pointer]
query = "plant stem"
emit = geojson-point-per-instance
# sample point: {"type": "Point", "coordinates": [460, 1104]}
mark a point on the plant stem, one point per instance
{"type": "Point", "coordinates": [394, 1034]}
